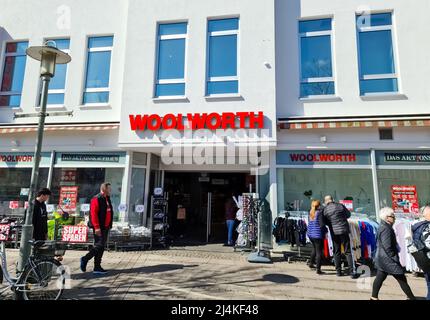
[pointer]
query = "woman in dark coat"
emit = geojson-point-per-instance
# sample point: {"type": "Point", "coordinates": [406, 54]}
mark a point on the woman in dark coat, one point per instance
{"type": "Point", "coordinates": [387, 259]}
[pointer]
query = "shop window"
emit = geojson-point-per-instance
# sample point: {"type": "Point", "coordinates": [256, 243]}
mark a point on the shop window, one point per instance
{"type": "Point", "coordinates": [57, 85]}
{"type": "Point", "coordinates": [223, 56]}
{"type": "Point", "coordinates": [297, 188]}
{"type": "Point", "coordinates": [137, 194]}
{"type": "Point", "coordinates": [171, 59]}
{"type": "Point", "coordinates": [97, 81]}
{"type": "Point", "coordinates": [417, 178]}
{"type": "Point", "coordinates": [376, 54]}
{"type": "Point", "coordinates": [316, 70]}
{"type": "Point", "coordinates": [14, 186]}
{"type": "Point", "coordinates": [13, 74]}
{"type": "Point", "coordinates": [87, 181]}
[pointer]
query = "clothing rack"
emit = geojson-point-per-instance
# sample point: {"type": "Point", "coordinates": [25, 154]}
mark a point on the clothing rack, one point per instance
{"type": "Point", "coordinates": [294, 214]}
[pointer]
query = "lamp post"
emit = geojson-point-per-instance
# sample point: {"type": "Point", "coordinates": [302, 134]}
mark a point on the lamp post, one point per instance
{"type": "Point", "coordinates": [49, 56]}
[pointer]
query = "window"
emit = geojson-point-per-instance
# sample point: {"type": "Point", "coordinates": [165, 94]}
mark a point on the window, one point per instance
{"type": "Point", "coordinates": [386, 134]}
{"type": "Point", "coordinates": [57, 84]}
{"type": "Point", "coordinates": [13, 74]}
{"type": "Point", "coordinates": [223, 56]}
{"type": "Point", "coordinates": [98, 70]}
{"type": "Point", "coordinates": [171, 60]}
{"type": "Point", "coordinates": [376, 54]}
{"type": "Point", "coordinates": [316, 69]}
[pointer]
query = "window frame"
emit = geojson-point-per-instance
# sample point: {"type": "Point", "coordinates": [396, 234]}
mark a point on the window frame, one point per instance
{"type": "Point", "coordinates": [4, 55]}
{"type": "Point", "coordinates": [208, 79]}
{"type": "Point", "coordinates": [87, 55]}
{"type": "Point", "coordinates": [55, 91]}
{"type": "Point", "coordinates": [158, 81]}
{"type": "Point", "coordinates": [382, 76]}
{"type": "Point", "coordinates": [303, 80]}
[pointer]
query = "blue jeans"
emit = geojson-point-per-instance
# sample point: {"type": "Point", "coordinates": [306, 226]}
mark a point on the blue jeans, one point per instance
{"type": "Point", "coordinates": [428, 285]}
{"type": "Point", "coordinates": [230, 227]}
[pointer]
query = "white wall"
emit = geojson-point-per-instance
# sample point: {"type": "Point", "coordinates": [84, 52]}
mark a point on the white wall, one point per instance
{"type": "Point", "coordinates": [37, 20]}
{"type": "Point", "coordinates": [256, 46]}
{"type": "Point", "coordinates": [411, 30]}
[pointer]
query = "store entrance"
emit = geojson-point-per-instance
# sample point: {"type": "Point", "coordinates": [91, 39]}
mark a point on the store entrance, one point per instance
{"type": "Point", "coordinates": [198, 200]}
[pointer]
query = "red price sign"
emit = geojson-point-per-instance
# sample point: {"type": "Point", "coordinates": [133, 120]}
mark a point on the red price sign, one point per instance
{"type": "Point", "coordinates": [13, 204]}
{"type": "Point", "coordinates": [68, 198]}
{"type": "Point", "coordinates": [75, 234]}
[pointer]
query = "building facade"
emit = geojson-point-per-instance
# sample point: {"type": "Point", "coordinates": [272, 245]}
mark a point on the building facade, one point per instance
{"type": "Point", "coordinates": [292, 100]}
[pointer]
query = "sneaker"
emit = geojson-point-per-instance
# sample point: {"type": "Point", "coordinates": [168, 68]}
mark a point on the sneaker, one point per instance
{"type": "Point", "coordinates": [339, 274]}
{"type": "Point", "coordinates": [99, 271]}
{"type": "Point", "coordinates": [355, 275]}
{"type": "Point", "coordinates": [83, 266]}
{"type": "Point", "coordinates": [319, 272]}
{"type": "Point", "coordinates": [311, 266]}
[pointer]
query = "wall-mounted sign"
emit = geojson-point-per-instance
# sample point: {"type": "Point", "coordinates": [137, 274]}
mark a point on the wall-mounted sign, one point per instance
{"type": "Point", "coordinates": [68, 198]}
{"type": "Point", "coordinates": [10, 158]}
{"type": "Point", "coordinates": [193, 121]}
{"type": "Point", "coordinates": [140, 208]}
{"type": "Point", "coordinates": [158, 191]}
{"type": "Point", "coordinates": [405, 199]}
{"type": "Point", "coordinates": [24, 191]}
{"type": "Point", "coordinates": [322, 157]}
{"type": "Point", "coordinates": [23, 159]}
{"type": "Point", "coordinates": [75, 234]}
{"type": "Point", "coordinates": [68, 175]}
{"type": "Point", "coordinates": [84, 157]}
{"type": "Point", "coordinates": [85, 207]}
{"type": "Point", "coordinates": [407, 157]}
{"type": "Point", "coordinates": [122, 207]}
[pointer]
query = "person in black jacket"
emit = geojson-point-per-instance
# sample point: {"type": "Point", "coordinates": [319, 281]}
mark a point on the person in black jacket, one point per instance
{"type": "Point", "coordinates": [387, 259]}
{"type": "Point", "coordinates": [40, 215]}
{"type": "Point", "coordinates": [101, 218]}
{"type": "Point", "coordinates": [335, 216]}
{"type": "Point", "coordinates": [421, 241]}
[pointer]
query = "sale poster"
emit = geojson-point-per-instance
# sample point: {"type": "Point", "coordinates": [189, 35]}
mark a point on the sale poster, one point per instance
{"type": "Point", "coordinates": [349, 204]}
{"type": "Point", "coordinates": [75, 234]}
{"type": "Point", "coordinates": [405, 199]}
{"type": "Point", "coordinates": [13, 204]}
{"type": "Point", "coordinates": [68, 176]}
{"type": "Point", "coordinates": [4, 232]}
{"type": "Point", "coordinates": [68, 198]}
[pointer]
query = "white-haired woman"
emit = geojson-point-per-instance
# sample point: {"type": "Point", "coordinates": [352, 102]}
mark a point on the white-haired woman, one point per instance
{"type": "Point", "coordinates": [387, 259]}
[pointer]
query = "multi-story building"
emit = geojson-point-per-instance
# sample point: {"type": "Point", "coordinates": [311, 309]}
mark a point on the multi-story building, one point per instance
{"type": "Point", "coordinates": [327, 98]}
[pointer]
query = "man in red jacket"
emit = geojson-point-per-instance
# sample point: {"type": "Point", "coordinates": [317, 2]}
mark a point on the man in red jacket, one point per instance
{"type": "Point", "coordinates": [101, 217]}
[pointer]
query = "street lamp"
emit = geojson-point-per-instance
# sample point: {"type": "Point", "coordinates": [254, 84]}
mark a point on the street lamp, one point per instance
{"type": "Point", "coordinates": [49, 56]}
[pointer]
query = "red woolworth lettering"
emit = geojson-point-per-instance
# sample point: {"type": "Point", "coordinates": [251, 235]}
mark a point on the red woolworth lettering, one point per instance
{"type": "Point", "coordinates": [338, 158]}
{"type": "Point", "coordinates": [352, 157]}
{"type": "Point", "coordinates": [323, 157]}
{"type": "Point", "coordinates": [137, 122]}
{"type": "Point", "coordinates": [210, 121]}
{"type": "Point", "coordinates": [197, 121]}
{"type": "Point", "coordinates": [154, 118]}
{"type": "Point", "coordinates": [332, 158]}
{"type": "Point", "coordinates": [310, 158]}
{"type": "Point", "coordinates": [256, 120]}
{"type": "Point", "coordinates": [169, 118]}
{"type": "Point", "coordinates": [228, 118]}
{"type": "Point", "coordinates": [302, 157]}
{"type": "Point", "coordinates": [242, 116]}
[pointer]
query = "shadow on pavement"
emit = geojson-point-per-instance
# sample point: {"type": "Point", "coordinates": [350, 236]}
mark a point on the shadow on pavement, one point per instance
{"type": "Point", "coordinates": [148, 269]}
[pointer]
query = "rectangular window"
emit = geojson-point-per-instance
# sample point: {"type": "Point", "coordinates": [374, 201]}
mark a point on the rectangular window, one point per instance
{"type": "Point", "coordinates": [316, 69]}
{"type": "Point", "coordinates": [97, 79]}
{"type": "Point", "coordinates": [171, 60]}
{"type": "Point", "coordinates": [57, 84]}
{"type": "Point", "coordinates": [223, 56]}
{"type": "Point", "coordinates": [376, 54]}
{"type": "Point", "coordinates": [13, 74]}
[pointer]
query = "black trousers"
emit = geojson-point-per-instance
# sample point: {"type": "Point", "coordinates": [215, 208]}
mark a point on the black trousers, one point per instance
{"type": "Point", "coordinates": [317, 252]}
{"type": "Point", "coordinates": [401, 279]}
{"type": "Point", "coordinates": [338, 241]}
{"type": "Point", "coordinates": [98, 249]}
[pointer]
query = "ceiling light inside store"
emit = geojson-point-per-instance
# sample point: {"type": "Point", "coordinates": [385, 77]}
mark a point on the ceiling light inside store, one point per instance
{"type": "Point", "coordinates": [316, 147]}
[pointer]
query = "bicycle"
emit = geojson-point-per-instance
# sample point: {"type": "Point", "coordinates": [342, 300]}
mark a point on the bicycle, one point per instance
{"type": "Point", "coordinates": [43, 277]}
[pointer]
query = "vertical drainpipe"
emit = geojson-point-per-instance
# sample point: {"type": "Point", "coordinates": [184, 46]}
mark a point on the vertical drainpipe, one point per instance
{"type": "Point", "coordinates": [126, 183]}
{"type": "Point", "coordinates": [375, 182]}
{"type": "Point", "coordinates": [146, 199]}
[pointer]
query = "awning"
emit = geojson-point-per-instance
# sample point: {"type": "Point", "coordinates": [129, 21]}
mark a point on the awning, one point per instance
{"type": "Point", "coordinates": [33, 128]}
{"type": "Point", "coordinates": [342, 124]}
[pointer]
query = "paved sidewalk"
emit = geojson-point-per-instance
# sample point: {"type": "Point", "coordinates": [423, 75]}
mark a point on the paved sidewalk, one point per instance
{"type": "Point", "coordinates": [214, 272]}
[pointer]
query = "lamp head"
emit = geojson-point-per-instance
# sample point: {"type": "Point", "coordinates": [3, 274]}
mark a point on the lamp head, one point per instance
{"type": "Point", "coordinates": [49, 56]}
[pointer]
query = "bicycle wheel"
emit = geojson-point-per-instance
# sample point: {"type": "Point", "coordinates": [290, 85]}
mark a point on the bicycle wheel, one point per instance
{"type": "Point", "coordinates": [44, 281]}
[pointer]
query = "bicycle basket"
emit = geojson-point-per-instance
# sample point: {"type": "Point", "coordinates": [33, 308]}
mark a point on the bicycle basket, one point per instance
{"type": "Point", "coordinates": [51, 249]}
